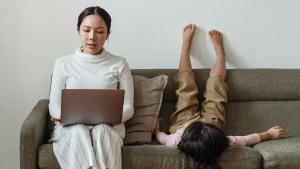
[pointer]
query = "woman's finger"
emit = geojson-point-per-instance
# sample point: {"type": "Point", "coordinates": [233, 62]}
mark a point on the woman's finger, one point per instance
{"type": "Point", "coordinates": [53, 119]}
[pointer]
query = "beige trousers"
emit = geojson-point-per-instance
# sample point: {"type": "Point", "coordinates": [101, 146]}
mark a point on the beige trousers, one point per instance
{"type": "Point", "coordinates": [187, 105]}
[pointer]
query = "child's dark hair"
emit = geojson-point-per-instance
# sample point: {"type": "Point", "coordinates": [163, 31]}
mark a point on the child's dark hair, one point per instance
{"type": "Point", "coordinates": [95, 10]}
{"type": "Point", "coordinates": [203, 143]}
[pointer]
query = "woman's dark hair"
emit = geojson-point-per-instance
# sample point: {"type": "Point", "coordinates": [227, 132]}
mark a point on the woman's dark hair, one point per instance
{"type": "Point", "coordinates": [203, 143]}
{"type": "Point", "coordinates": [95, 10]}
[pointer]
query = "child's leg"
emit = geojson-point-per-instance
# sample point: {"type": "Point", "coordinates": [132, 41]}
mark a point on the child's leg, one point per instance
{"type": "Point", "coordinates": [185, 61]}
{"type": "Point", "coordinates": [215, 95]}
{"type": "Point", "coordinates": [219, 68]}
{"type": "Point", "coordinates": [186, 90]}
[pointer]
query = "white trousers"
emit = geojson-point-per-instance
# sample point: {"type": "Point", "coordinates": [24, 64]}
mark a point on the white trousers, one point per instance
{"type": "Point", "coordinates": [80, 146]}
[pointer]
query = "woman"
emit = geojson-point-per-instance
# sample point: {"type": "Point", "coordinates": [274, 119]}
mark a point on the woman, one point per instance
{"type": "Point", "coordinates": [90, 67]}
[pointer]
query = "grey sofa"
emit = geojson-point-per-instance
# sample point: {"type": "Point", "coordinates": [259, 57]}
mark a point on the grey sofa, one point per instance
{"type": "Point", "coordinates": [258, 99]}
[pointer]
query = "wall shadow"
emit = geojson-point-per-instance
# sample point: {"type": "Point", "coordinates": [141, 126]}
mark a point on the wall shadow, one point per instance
{"type": "Point", "coordinates": [200, 51]}
{"type": "Point", "coordinates": [232, 56]}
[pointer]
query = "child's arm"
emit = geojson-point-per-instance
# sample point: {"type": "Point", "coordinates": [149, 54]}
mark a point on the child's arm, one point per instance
{"type": "Point", "coordinates": [156, 129]}
{"type": "Point", "coordinates": [273, 133]}
{"type": "Point", "coordinates": [169, 140]}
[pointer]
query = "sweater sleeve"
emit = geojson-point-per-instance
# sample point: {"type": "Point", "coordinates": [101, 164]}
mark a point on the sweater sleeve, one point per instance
{"type": "Point", "coordinates": [57, 85]}
{"type": "Point", "coordinates": [171, 140]}
{"type": "Point", "coordinates": [243, 140]}
{"type": "Point", "coordinates": [126, 83]}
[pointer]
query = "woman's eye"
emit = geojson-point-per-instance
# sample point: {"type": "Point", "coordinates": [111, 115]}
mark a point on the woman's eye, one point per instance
{"type": "Point", "coordinates": [86, 30]}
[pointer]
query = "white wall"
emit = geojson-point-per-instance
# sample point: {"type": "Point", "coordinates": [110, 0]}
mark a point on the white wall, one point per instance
{"type": "Point", "coordinates": [257, 34]}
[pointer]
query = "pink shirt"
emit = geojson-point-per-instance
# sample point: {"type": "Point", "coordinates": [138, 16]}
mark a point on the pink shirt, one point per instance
{"type": "Point", "coordinates": [172, 140]}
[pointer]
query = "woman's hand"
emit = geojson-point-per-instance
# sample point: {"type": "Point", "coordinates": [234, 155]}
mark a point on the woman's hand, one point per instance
{"type": "Point", "coordinates": [276, 132]}
{"type": "Point", "coordinates": [156, 129]}
{"type": "Point", "coordinates": [54, 119]}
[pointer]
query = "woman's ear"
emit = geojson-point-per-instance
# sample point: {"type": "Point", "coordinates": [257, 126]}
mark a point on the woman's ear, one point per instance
{"type": "Point", "coordinates": [78, 31]}
{"type": "Point", "coordinates": [108, 35]}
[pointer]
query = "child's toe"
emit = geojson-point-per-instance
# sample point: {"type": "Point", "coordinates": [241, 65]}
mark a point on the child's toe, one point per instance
{"type": "Point", "coordinates": [210, 34]}
{"type": "Point", "coordinates": [194, 26]}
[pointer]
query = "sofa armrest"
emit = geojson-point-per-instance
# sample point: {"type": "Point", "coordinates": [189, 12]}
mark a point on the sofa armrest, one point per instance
{"type": "Point", "coordinates": [32, 135]}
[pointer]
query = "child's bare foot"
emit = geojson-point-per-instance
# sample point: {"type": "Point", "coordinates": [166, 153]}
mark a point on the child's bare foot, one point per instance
{"type": "Point", "coordinates": [188, 34]}
{"type": "Point", "coordinates": [217, 39]}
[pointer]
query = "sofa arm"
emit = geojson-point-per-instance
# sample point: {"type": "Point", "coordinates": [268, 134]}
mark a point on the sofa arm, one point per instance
{"type": "Point", "coordinates": [32, 136]}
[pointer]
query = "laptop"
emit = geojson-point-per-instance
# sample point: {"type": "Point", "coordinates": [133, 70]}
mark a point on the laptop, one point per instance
{"type": "Point", "coordinates": [92, 106]}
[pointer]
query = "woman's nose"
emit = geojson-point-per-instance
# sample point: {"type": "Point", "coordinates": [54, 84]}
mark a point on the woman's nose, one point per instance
{"type": "Point", "coordinates": [92, 35]}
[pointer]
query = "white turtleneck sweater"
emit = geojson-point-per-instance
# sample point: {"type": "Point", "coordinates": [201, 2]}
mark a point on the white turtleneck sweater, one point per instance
{"type": "Point", "coordinates": [86, 71]}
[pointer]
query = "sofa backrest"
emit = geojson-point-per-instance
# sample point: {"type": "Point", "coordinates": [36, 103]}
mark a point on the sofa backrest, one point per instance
{"type": "Point", "coordinates": [258, 99]}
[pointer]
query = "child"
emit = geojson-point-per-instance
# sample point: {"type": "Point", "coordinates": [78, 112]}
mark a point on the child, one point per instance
{"type": "Point", "coordinates": [199, 134]}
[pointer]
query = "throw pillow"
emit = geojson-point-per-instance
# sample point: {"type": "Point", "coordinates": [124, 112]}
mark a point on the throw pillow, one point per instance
{"type": "Point", "coordinates": [148, 94]}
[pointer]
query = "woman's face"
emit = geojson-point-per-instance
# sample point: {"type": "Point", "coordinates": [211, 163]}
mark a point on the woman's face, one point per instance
{"type": "Point", "coordinates": [92, 34]}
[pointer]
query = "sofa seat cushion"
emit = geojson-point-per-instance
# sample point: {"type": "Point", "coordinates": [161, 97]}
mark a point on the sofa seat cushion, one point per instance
{"type": "Point", "coordinates": [46, 157]}
{"type": "Point", "coordinates": [283, 153]}
{"type": "Point", "coordinates": [152, 156]}
{"type": "Point", "coordinates": [240, 157]}
{"type": "Point", "coordinates": [157, 156]}
{"type": "Point", "coordinates": [144, 156]}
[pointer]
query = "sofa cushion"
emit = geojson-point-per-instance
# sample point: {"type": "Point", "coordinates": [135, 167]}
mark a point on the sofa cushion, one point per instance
{"type": "Point", "coordinates": [169, 92]}
{"type": "Point", "coordinates": [243, 118]}
{"type": "Point", "coordinates": [159, 156]}
{"type": "Point", "coordinates": [154, 155]}
{"type": "Point", "coordinates": [46, 157]}
{"type": "Point", "coordinates": [244, 84]}
{"type": "Point", "coordinates": [263, 84]}
{"type": "Point", "coordinates": [148, 94]}
{"type": "Point", "coordinates": [166, 110]}
{"type": "Point", "coordinates": [240, 157]}
{"type": "Point", "coordinates": [280, 154]}
{"type": "Point", "coordinates": [151, 156]}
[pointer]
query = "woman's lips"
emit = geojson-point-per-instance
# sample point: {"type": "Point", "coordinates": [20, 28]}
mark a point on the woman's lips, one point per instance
{"type": "Point", "coordinates": [92, 46]}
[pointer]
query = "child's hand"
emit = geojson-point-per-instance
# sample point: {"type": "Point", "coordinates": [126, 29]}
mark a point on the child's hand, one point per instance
{"type": "Point", "coordinates": [276, 132]}
{"type": "Point", "coordinates": [159, 120]}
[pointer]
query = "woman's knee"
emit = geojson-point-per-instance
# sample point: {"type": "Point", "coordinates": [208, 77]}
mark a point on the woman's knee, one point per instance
{"type": "Point", "coordinates": [101, 128]}
{"type": "Point", "coordinates": [77, 127]}
{"type": "Point", "coordinates": [101, 131]}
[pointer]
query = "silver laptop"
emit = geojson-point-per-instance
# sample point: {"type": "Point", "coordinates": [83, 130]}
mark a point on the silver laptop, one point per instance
{"type": "Point", "coordinates": [92, 106]}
